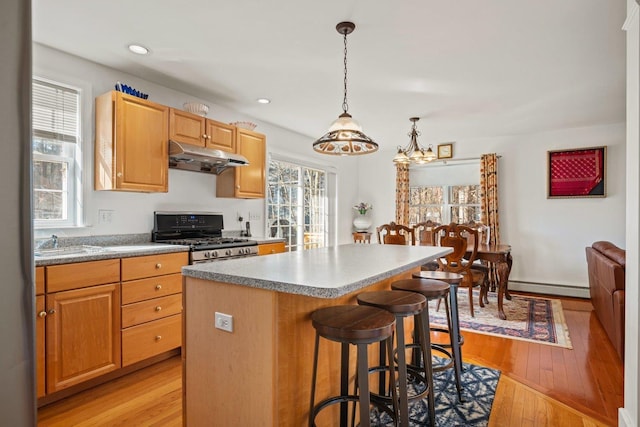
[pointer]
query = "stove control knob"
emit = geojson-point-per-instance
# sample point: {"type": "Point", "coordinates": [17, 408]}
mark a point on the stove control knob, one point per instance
{"type": "Point", "coordinates": [214, 254]}
{"type": "Point", "coordinates": [207, 254]}
{"type": "Point", "coordinates": [228, 252]}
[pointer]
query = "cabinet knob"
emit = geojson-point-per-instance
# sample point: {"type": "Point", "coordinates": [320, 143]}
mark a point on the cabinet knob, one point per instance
{"type": "Point", "coordinates": [273, 251]}
{"type": "Point", "coordinates": [158, 308]}
{"type": "Point", "coordinates": [52, 311]}
{"type": "Point", "coordinates": [205, 136]}
{"type": "Point", "coordinates": [42, 314]}
{"type": "Point", "coordinates": [158, 266]}
{"type": "Point", "coordinates": [158, 337]}
{"type": "Point", "coordinates": [238, 187]}
{"type": "Point", "coordinates": [158, 287]}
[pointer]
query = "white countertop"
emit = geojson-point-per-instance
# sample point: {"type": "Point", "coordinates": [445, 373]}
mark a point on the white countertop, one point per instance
{"type": "Point", "coordinates": [325, 272]}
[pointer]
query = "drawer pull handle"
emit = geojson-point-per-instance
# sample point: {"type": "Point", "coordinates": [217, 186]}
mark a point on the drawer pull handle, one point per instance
{"type": "Point", "coordinates": [158, 287]}
{"type": "Point", "coordinates": [158, 308]}
{"type": "Point", "coordinates": [158, 337]}
{"type": "Point", "coordinates": [42, 314]}
{"type": "Point", "coordinates": [158, 266]}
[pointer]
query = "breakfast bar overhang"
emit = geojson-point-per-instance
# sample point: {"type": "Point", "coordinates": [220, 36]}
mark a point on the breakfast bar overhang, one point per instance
{"type": "Point", "coordinates": [260, 373]}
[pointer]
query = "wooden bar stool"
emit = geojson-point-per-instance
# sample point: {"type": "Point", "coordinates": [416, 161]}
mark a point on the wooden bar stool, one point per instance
{"type": "Point", "coordinates": [361, 326]}
{"type": "Point", "coordinates": [401, 305]}
{"type": "Point", "coordinates": [435, 290]}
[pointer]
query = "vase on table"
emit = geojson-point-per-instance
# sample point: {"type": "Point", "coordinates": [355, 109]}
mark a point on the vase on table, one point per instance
{"type": "Point", "coordinates": [362, 222]}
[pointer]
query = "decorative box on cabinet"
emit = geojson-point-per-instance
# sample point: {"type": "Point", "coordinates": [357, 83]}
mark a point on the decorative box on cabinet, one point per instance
{"type": "Point", "coordinates": [151, 305]}
{"type": "Point", "coordinates": [271, 248]}
{"type": "Point", "coordinates": [131, 146]}
{"type": "Point", "coordinates": [192, 129]}
{"type": "Point", "coordinates": [246, 182]}
{"type": "Point", "coordinates": [82, 322]}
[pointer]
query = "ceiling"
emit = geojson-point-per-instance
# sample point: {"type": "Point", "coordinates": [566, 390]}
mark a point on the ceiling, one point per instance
{"type": "Point", "coordinates": [467, 68]}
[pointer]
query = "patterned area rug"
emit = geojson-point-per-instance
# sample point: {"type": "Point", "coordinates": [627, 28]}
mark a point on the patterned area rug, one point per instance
{"type": "Point", "coordinates": [478, 391]}
{"type": "Point", "coordinates": [534, 319]}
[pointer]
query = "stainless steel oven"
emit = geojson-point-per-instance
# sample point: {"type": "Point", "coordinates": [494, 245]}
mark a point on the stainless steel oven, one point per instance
{"type": "Point", "coordinates": [202, 232]}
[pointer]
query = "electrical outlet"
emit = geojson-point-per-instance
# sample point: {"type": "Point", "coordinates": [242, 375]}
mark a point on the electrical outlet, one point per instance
{"type": "Point", "coordinates": [105, 216]}
{"type": "Point", "coordinates": [224, 321]}
{"type": "Point", "coordinates": [254, 216]}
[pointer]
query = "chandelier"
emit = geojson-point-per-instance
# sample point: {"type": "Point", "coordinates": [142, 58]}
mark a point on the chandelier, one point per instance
{"type": "Point", "coordinates": [413, 153]}
{"type": "Point", "coordinates": [345, 135]}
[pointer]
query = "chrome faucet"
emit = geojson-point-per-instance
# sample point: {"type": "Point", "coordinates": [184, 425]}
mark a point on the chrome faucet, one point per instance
{"type": "Point", "coordinates": [54, 239]}
{"type": "Point", "coordinates": [44, 243]}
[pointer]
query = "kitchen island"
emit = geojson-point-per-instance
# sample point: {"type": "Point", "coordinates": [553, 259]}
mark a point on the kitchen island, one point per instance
{"type": "Point", "coordinates": [260, 373]}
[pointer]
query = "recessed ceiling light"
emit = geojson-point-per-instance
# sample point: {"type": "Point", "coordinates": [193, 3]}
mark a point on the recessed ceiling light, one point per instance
{"type": "Point", "coordinates": [140, 50]}
{"type": "Point", "coordinates": [263, 100]}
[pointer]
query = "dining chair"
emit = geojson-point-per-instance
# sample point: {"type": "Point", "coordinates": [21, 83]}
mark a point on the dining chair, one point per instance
{"type": "Point", "coordinates": [464, 242]}
{"type": "Point", "coordinates": [395, 234]}
{"type": "Point", "coordinates": [484, 266]}
{"type": "Point", "coordinates": [422, 233]}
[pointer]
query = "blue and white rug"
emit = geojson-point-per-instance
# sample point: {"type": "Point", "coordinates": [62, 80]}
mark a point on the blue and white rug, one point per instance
{"type": "Point", "coordinates": [478, 390]}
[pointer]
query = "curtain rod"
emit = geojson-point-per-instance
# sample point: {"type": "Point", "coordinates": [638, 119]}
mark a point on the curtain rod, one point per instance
{"type": "Point", "coordinates": [447, 161]}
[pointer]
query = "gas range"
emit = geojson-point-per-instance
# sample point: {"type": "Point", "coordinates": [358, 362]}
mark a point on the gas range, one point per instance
{"type": "Point", "coordinates": [202, 232]}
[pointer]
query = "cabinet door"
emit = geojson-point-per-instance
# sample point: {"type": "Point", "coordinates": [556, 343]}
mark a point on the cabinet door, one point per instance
{"type": "Point", "coordinates": [250, 179]}
{"type": "Point", "coordinates": [186, 127]}
{"type": "Point", "coordinates": [132, 144]}
{"type": "Point", "coordinates": [40, 367]}
{"type": "Point", "coordinates": [221, 136]}
{"type": "Point", "coordinates": [82, 335]}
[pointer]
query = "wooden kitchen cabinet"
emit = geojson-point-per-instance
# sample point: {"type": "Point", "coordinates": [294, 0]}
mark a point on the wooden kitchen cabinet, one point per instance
{"type": "Point", "coordinates": [196, 130]}
{"type": "Point", "coordinates": [40, 337]}
{"type": "Point", "coordinates": [151, 305]}
{"type": "Point", "coordinates": [246, 182]}
{"type": "Point", "coordinates": [271, 248]}
{"type": "Point", "coordinates": [82, 335]}
{"type": "Point", "coordinates": [131, 145]}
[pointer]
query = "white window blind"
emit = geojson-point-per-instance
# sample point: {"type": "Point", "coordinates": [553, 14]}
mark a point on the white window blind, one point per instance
{"type": "Point", "coordinates": [55, 112]}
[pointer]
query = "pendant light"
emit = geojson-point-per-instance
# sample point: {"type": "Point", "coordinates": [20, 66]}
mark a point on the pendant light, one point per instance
{"type": "Point", "coordinates": [413, 153]}
{"type": "Point", "coordinates": [345, 135]}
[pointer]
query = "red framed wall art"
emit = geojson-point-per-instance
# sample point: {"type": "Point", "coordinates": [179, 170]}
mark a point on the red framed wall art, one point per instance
{"type": "Point", "coordinates": [577, 173]}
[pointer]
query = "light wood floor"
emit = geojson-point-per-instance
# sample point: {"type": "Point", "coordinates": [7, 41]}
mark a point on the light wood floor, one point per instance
{"type": "Point", "coordinates": [540, 385]}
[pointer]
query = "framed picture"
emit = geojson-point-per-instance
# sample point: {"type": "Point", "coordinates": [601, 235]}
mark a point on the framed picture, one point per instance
{"type": "Point", "coordinates": [445, 151]}
{"type": "Point", "coordinates": [577, 173]}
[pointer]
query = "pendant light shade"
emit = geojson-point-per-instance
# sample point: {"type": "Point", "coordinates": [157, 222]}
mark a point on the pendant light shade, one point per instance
{"type": "Point", "coordinates": [345, 136]}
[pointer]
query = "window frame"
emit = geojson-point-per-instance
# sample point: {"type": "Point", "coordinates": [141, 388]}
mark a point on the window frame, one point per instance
{"type": "Point", "coordinates": [76, 185]}
{"type": "Point", "coordinates": [446, 206]}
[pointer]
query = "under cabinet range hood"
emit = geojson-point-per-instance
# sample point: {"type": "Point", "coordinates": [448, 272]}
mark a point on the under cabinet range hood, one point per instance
{"type": "Point", "coordinates": [200, 159]}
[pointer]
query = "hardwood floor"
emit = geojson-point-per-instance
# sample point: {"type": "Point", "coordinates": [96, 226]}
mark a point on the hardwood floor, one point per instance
{"type": "Point", "coordinates": [540, 385]}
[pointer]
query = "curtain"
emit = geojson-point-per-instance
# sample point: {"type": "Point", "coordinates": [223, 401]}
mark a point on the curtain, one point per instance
{"type": "Point", "coordinates": [402, 194]}
{"type": "Point", "coordinates": [489, 195]}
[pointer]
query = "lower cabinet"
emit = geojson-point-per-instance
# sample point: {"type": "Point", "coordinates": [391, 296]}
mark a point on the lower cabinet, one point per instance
{"type": "Point", "coordinates": [271, 248]}
{"type": "Point", "coordinates": [97, 317]}
{"type": "Point", "coordinates": [82, 335]}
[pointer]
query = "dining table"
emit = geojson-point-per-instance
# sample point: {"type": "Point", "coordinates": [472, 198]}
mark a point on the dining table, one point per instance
{"type": "Point", "coordinates": [498, 255]}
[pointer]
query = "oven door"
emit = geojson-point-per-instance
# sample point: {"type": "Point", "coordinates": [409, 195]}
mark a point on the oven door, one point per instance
{"type": "Point", "coordinates": [202, 261]}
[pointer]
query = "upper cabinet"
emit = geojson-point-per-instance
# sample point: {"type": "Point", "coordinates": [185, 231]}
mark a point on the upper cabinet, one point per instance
{"type": "Point", "coordinates": [245, 182]}
{"type": "Point", "coordinates": [192, 129]}
{"type": "Point", "coordinates": [131, 146]}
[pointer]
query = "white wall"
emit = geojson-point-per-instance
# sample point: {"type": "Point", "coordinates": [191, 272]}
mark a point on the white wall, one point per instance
{"type": "Point", "coordinates": [548, 236]}
{"type": "Point", "coordinates": [133, 212]}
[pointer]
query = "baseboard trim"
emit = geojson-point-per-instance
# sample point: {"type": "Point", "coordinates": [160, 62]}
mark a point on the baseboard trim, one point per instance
{"type": "Point", "coordinates": [624, 418]}
{"type": "Point", "coordinates": [549, 289]}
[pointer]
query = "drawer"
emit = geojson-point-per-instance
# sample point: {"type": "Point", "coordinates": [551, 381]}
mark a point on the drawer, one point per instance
{"type": "Point", "coordinates": [153, 309]}
{"type": "Point", "coordinates": [144, 341]}
{"type": "Point", "coordinates": [39, 280]}
{"type": "Point", "coordinates": [144, 289]}
{"type": "Point", "coordinates": [82, 274]}
{"type": "Point", "coordinates": [271, 248]}
{"type": "Point", "coordinates": [153, 265]}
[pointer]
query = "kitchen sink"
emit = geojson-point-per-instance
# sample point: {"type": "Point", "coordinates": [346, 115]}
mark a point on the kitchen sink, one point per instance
{"type": "Point", "coordinates": [68, 250]}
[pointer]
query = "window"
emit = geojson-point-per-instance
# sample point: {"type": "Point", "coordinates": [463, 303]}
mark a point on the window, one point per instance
{"type": "Point", "coordinates": [56, 142]}
{"type": "Point", "coordinates": [297, 205]}
{"type": "Point", "coordinates": [444, 204]}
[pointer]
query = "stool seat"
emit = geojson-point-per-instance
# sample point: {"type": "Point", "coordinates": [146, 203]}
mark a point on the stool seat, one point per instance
{"type": "Point", "coordinates": [445, 276]}
{"type": "Point", "coordinates": [396, 302]}
{"type": "Point", "coordinates": [431, 289]}
{"type": "Point", "coordinates": [353, 323]}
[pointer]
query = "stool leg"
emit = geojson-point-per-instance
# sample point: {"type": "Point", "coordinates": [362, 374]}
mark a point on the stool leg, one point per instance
{"type": "Point", "coordinates": [313, 380]}
{"type": "Point", "coordinates": [344, 384]}
{"type": "Point", "coordinates": [422, 323]}
{"type": "Point", "coordinates": [455, 336]}
{"type": "Point", "coordinates": [392, 379]}
{"type": "Point", "coordinates": [363, 385]}
{"type": "Point", "coordinates": [402, 372]}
